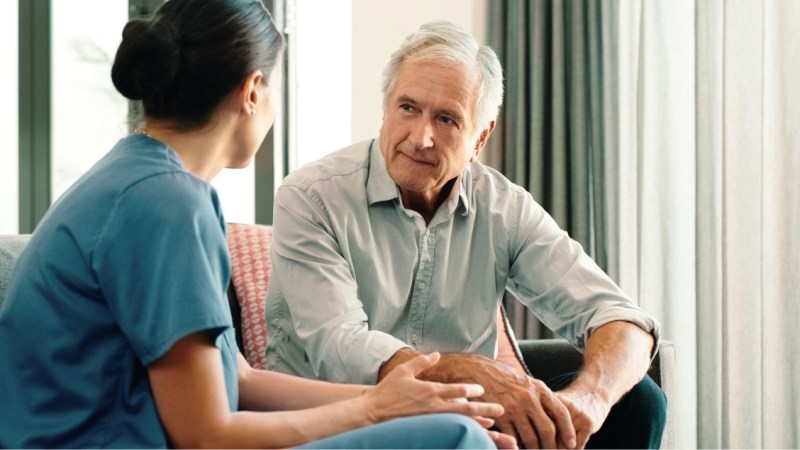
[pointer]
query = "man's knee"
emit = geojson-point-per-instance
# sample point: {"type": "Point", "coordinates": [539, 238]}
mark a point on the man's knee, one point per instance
{"type": "Point", "coordinates": [646, 409]}
{"type": "Point", "coordinates": [650, 401]}
{"type": "Point", "coordinates": [636, 421]}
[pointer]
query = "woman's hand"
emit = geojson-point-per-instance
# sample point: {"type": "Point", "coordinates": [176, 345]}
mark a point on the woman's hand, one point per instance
{"type": "Point", "coordinates": [401, 394]}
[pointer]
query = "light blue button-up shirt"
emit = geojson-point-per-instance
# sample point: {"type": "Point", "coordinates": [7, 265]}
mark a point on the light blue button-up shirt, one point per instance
{"type": "Point", "coordinates": [356, 276]}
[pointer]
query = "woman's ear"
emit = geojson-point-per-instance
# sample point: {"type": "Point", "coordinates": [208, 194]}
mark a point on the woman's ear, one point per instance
{"type": "Point", "coordinates": [252, 94]}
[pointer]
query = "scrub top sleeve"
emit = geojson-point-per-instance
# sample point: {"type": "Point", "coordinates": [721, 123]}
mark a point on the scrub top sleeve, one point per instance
{"type": "Point", "coordinates": [163, 263]}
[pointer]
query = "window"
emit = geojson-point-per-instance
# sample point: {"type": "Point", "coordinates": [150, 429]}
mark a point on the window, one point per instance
{"type": "Point", "coordinates": [323, 83]}
{"type": "Point", "coordinates": [89, 116]}
{"type": "Point", "coordinates": [9, 181]}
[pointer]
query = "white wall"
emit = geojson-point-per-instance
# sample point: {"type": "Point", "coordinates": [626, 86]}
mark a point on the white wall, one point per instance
{"type": "Point", "coordinates": [379, 28]}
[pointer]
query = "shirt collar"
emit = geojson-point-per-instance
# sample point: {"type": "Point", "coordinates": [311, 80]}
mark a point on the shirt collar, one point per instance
{"type": "Point", "coordinates": [465, 189]}
{"type": "Point", "coordinates": [381, 187]}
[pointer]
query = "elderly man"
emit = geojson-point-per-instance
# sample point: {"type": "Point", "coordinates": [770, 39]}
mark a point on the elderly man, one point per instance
{"type": "Point", "coordinates": [405, 244]}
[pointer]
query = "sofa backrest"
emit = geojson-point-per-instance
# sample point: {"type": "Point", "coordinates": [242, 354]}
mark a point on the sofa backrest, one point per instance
{"type": "Point", "coordinates": [250, 272]}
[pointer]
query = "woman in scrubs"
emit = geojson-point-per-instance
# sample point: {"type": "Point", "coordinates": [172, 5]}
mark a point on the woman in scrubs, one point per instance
{"type": "Point", "coordinates": [115, 330]}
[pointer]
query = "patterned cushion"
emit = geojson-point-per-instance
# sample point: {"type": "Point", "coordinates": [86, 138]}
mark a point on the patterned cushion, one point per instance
{"type": "Point", "coordinates": [250, 272]}
{"type": "Point", "coordinates": [506, 349]}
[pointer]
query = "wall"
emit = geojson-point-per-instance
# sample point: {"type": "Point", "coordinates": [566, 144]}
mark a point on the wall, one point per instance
{"type": "Point", "coordinates": [379, 28]}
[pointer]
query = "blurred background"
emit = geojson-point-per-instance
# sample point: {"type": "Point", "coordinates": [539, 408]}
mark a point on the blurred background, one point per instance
{"type": "Point", "coordinates": [664, 136]}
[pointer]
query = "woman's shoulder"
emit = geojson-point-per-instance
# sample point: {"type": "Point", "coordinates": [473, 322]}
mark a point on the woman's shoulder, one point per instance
{"type": "Point", "coordinates": [139, 183]}
{"type": "Point", "coordinates": [142, 172]}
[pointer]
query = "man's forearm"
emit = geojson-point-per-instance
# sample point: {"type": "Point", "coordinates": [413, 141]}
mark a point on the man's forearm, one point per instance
{"type": "Point", "coordinates": [616, 358]}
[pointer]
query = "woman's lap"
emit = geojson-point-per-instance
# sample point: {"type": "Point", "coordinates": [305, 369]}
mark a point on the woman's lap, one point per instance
{"type": "Point", "coordinates": [419, 432]}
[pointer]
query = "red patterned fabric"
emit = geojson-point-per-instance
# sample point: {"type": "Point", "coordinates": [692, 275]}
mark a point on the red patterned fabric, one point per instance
{"type": "Point", "coordinates": [505, 351]}
{"type": "Point", "coordinates": [250, 271]}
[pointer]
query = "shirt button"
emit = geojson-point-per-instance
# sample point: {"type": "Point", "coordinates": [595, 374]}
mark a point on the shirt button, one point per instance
{"type": "Point", "coordinates": [422, 285]}
{"type": "Point", "coordinates": [414, 337]}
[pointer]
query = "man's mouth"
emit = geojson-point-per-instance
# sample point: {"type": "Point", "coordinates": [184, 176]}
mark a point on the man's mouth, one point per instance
{"type": "Point", "coordinates": [416, 160]}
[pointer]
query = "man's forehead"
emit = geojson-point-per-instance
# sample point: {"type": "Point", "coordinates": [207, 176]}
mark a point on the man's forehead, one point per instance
{"type": "Point", "coordinates": [460, 83]}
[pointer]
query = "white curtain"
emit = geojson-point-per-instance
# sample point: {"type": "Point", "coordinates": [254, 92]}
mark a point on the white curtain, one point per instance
{"type": "Point", "coordinates": [703, 198]}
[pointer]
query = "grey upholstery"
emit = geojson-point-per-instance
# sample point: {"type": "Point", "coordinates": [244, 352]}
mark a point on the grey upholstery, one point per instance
{"type": "Point", "coordinates": [10, 248]}
{"type": "Point", "coordinates": [544, 358]}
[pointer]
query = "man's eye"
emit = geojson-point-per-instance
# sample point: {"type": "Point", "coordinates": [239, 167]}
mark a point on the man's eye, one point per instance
{"type": "Point", "coordinates": [406, 107]}
{"type": "Point", "coordinates": [447, 120]}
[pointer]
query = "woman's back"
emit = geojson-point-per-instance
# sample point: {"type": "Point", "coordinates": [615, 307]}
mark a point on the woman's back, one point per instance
{"type": "Point", "coordinates": [129, 260]}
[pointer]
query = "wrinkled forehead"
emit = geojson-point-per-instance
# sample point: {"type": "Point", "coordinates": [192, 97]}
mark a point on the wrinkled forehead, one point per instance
{"type": "Point", "coordinates": [459, 82]}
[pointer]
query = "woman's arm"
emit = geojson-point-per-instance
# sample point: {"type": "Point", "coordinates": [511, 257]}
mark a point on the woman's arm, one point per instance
{"type": "Point", "coordinates": [189, 389]}
{"type": "Point", "coordinates": [264, 390]}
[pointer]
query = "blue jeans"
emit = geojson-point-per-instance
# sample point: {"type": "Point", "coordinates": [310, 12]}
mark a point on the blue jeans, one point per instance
{"type": "Point", "coordinates": [430, 431]}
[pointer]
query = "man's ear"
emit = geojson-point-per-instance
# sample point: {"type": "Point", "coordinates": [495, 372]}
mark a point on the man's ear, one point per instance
{"type": "Point", "coordinates": [252, 94]}
{"type": "Point", "coordinates": [481, 142]}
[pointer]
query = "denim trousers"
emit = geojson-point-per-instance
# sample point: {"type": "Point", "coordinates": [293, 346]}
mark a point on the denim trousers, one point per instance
{"type": "Point", "coordinates": [429, 431]}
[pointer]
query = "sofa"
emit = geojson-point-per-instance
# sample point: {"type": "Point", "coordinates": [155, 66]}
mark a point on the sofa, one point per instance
{"type": "Point", "coordinates": [250, 268]}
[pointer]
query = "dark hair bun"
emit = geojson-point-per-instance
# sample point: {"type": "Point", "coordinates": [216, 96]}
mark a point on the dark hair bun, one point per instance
{"type": "Point", "coordinates": [148, 59]}
{"type": "Point", "coordinates": [184, 61]}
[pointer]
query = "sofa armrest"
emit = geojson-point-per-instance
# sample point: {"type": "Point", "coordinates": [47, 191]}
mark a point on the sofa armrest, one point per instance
{"type": "Point", "coordinates": [548, 358]}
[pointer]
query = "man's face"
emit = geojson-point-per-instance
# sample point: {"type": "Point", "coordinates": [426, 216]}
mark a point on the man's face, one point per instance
{"type": "Point", "coordinates": [428, 137]}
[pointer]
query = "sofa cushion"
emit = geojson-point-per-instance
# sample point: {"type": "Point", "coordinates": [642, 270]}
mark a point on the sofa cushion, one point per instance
{"type": "Point", "coordinates": [250, 272]}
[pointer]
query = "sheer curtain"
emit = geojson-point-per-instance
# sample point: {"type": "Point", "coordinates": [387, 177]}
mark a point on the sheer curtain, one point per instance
{"type": "Point", "coordinates": [684, 136]}
{"type": "Point", "coordinates": [705, 206]}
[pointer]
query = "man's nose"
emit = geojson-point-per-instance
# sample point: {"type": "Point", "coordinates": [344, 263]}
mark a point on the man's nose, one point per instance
{"type": "Point", "coordinates": [422, 134]}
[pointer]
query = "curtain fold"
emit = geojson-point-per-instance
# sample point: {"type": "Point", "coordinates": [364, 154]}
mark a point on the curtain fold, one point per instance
{"type": "Point", "coordinates": [550, 135]}
{"type": "Point", "coordinates": [716, 130]}
{"type": "Point", "coordinates": [665, 137]}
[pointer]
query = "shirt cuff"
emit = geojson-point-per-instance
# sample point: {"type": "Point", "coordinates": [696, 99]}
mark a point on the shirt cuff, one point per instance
{"type": "Point", "coordinates": [634, 316]}
{"type": "Point", "coordinates": [381, 348]}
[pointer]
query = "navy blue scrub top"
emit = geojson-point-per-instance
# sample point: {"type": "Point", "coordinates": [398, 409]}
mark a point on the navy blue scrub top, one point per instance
{"type": "Point", "coordinates": [132, 258]}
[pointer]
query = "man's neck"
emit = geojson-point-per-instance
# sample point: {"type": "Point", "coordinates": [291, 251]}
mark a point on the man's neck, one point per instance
{"type": "Point", "coordinates": [427, 203]}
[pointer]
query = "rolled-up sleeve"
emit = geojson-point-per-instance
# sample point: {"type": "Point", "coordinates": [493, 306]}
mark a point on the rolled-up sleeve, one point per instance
{"type": "Point", "coordinates": [552, 275]}
{"type": "Point", "coordinates": [320, 290]}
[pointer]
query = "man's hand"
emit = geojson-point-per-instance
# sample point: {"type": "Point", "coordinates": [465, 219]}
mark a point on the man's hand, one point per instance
{"type": "Point", "coordinates": [588, 412]}
{"type": "Point", "coordinates": [616, 358]}
{"type": "Point", "coordinates": [401, 394]}
{"type": "Point", "coordinates": [532, 411]}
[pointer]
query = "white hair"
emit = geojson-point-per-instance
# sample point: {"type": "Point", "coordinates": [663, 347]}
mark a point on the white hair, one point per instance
{"type": "Point", "coordinates": [445, 43]}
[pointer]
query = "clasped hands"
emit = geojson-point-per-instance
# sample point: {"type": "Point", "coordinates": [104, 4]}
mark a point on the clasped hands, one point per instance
{"type": "Point", "coordinates": [540, 417]}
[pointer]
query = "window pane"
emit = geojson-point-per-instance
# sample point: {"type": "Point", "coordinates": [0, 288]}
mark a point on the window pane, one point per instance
{"type": "Point", "coordinates": [9, 128]}
{"type": "Point", "coordinates": [237, 194]}
{"type": "Point", "coordinates": [89, 115]}
{"type": "Point", "coordinates": [324, 86]}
